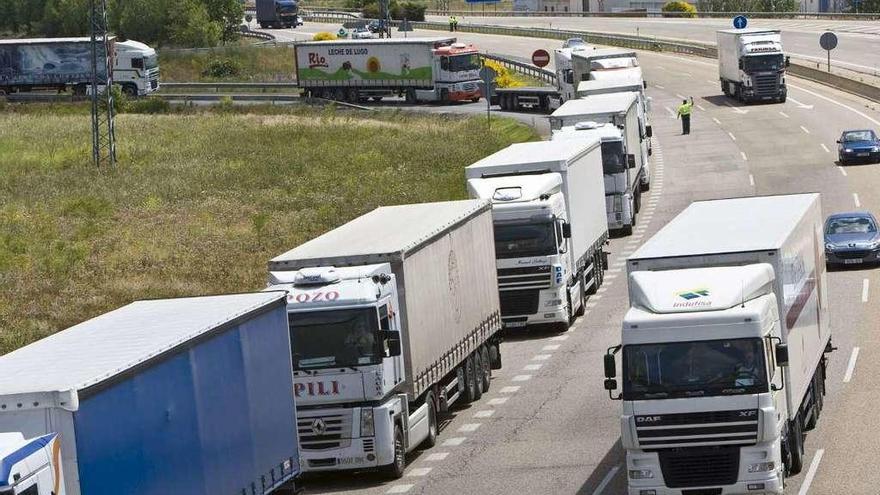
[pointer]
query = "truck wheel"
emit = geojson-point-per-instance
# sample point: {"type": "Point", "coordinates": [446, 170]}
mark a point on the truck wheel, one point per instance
{"type": "Point", "coordinates": [470, 394]}
{"type": "Point", "coordinates": [478, 375]}
{"type": "Point", "coordinates": [594, 274]}
{"type": "Point", "coordinates": [444, 96]}
{"type": "Point", "coordinates": [263, 25]}
{"type": "Point", "coordinates": [495, 356]}
{"type": "Point", "coordinates": [411, 96]}
{"type": "Point", "coordinates": [487, 368]}
{"type": "Point", "coordinates": [130, 90]}
{"type": "Point", "coordinates": [583, 308]}
{"type": "Point", "coordinates": [796, 446]}
{"type": "Point", "coordinates": [353, 96]}
{"type": "Point", "coordinates": [637, 203]}
{"type": "Point", "coordinates": [431, 440]}
{"type": "Point", "coordinates": [398, 465]}
{"type": "Point", "coordinates": [628, 230]}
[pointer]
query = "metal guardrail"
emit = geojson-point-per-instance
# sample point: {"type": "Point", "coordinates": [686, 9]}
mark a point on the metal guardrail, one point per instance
{"type": "Point", "coordinates": [839, 16]}
{"type": "Point", "coordinates": [249, 33]}
{"type": "Point", "coordinates": [216, 87]}
{"type": "Point", "coordinates": [544, 75]}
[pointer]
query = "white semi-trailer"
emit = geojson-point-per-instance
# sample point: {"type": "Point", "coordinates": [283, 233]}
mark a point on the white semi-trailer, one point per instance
{"type": "Point", "coordinates": [620, 82]}
{"type": "Point", "coordinates": [393, 317]}
{"type": "Point", "coordinates": [751, 64]}
{"type": "Point", "coordinates": [724, 347]}
{"type": "Point", "coordinates": [620, 109]}
{"type": "Point", "coordinates": [550, 227]}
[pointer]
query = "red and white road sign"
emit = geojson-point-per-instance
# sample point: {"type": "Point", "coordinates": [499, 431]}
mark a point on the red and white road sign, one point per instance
{"type": "Point", "coordinates": [541, 58]}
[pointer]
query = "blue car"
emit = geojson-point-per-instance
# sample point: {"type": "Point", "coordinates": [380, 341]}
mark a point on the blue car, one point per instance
{"type": "Point", "coordinates": [851, 239]}
{"type": "Point", "coordinates": [858, 146]}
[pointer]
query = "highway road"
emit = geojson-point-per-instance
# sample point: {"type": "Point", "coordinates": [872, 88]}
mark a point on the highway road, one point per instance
{"type": "Point", "coordinates": [856, 50]}
{"type": "Point", "coordinates": [547, 425]}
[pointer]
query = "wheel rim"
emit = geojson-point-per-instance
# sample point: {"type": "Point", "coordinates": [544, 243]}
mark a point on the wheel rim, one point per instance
{"type": "Point", "coordinates": [398, 451]}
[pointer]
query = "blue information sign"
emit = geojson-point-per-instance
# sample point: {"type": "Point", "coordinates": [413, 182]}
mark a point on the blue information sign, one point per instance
{"type": "Point", "coordinates": [740, 22]}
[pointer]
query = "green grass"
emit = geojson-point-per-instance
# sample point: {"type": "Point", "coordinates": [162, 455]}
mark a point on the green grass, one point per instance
{"type": "Point", "coordinates": [258, 64]}
{"type": "Point", "coordinates": [200, 201]}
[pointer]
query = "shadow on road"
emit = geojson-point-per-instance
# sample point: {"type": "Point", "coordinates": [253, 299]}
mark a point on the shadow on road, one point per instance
{"type": "Point", "coordinates": [614, 458]}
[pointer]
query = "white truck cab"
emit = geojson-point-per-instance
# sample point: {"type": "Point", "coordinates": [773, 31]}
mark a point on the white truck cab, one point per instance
{"type": "Point", "coordinates": [30, 466]}
{"type": "Point", "coordinates": [135, 68]}
{"type": "Point", "coordinates": [751, 64]}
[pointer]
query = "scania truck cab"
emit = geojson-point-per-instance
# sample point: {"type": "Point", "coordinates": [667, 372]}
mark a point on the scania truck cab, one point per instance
{"type": "Point", "coordinates": [751, 64]}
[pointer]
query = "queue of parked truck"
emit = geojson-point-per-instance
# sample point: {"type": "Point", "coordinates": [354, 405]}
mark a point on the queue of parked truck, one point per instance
{"type": "Point", "coordinates": [370, 332]}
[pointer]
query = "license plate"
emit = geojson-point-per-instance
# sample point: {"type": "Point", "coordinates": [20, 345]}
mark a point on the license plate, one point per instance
{"type": "Point", "coordinates": [852, 262]}
{"type": "Point", "coordinates": [863, 154]}
{"type": "Point", "coordinates": [515, 324]}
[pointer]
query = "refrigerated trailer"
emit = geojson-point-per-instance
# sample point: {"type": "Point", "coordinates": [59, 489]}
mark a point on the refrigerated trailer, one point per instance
{"type": "Point", "coordinates": [394, 317]}
{"type": "Point", "coordinates": [66, 64]}
{"type": "Point", "coordinates": [724, 347]}
{"type": "Point", "coordinates": [419, 69]}
{"type": "Point", "coordinates": [548, 202]}
{"type": "Point", "coordinates": [157, 397]}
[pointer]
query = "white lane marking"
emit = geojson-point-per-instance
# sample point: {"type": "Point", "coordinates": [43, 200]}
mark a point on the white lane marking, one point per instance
{"type": "Point", "coordinates": [532, 367]}
{"type": "Point", "coordinates": [701, 108]}
{"type": "Point", "coordinates": [551, 347]}
{"type": "Point", "coordinates": [510, 390]}
{"type": "Point", "coordinates": [614, 270]}
{"type": "Point", "coordinates": [659, 87]}
{"type": "Point", "coordinates": [560, 337]}
{"type": "Point", "coordinates": [805, 129]}
{"type": "Point", "coordinates": [856, 200]}
{"type": "Point", "coordinates": [419, 471]}
{"type": "Point", "coordinates": [454, 441]}
{"type": "Point", "coordinates": [610, 277]}
{"type": "Point", "coordinates": [671, 113]}
{"type": "Point", "coordinates": [814, 466]}
{"type": "Point", "coordinates": [799, 104]}
{"type": "Point", "coordinates": [592, 303]}
{"type": "Point", "coordinates": [436, 456]}
{"type": "Point", "coordinates": [842, 171]}
{"type": "Point", "coordinates": [497, 401]}
{"type": "Point", "coordinates": [865, 286]}
{"type": "Point", "coordinates": [679, 96]}
{"type": "Point", "coordinates": [851, 366]}
{"type": "Point", "coordinates": [542, 357]}
{"type": "Point", "coordinates": [606, 480]}
{"type": "Point", "coordinates": [711, 82]}
{"type": "Point", "coordinates": [521, 378]}
{"type": "Point", "coordinates": [784, 114]}
{"type": "Point", "coordinates": [744, 157]}
{"type": "Point", "coordinates": [737, 110]}
{"type": "Point", "coordinates": [484, 414]}
{"type": "Point", "coordinates": [400, 488]}
{"type": "Point", "coordinates": [619, 264]}
{"type": "Point", "coordinates": [851, 109]}
{"type": "Point", "coordinates": [825, 147]}
{"type": "Point", "coordinates": [731, 136]}
{"type": "Point", "coordinates": [469, 427]}
{"type": "Point", "coordinates": [751, 180]}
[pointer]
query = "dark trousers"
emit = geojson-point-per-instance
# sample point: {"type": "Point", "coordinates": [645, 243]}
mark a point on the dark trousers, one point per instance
{"type": "Point", "coordinates": [451, 27]}
{"type": "Point", "coordinates": [686, 124]}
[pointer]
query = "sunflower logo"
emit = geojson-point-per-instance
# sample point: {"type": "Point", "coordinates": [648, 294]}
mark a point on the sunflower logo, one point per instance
{"type": "Point", "coordinates": [373, 65]}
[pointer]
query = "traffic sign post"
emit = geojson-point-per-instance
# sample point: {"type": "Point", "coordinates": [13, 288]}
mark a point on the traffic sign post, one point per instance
{"type": "Point", "coordinates": [405, 27]}
{"type": "Point", "coordinates": [487, 74]}
{"type": "Point", "coordinates": [540, 58]}
{"type": "Point", "coordinates": [740, 22]}
{"type": "Point", "coordinates": [828, 42]}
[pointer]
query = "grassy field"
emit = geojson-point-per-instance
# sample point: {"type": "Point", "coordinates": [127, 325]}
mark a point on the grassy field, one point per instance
{"type": "Point", "coordinates": [200, 201]}
{"type": "Point", "coordinates": [257, 64]}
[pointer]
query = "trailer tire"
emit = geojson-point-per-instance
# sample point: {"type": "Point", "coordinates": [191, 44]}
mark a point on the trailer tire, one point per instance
{"type": "Point", "coordinates": [410, 96]}
{"type": "Point", "coordinates": [398, 465]}
{"type": "Point", "coordinates": [583, 309]}
{"type": "Point", "coordinates": [487, 368]}
{"type": "Point", "coordinates": [433, 430]}
{"type": "Point", "coordinates": [470, 395]}
{"type": "Point", "coordinates": [628, 230]}
{"type": "Point", "coordinates": [444, 96]}
{"type": "Point", "coordinates": [478, 375]}
{"type": "Point", "coordinates": [597, 267]}
{"type": "Point", "coordinates": [339, 94]}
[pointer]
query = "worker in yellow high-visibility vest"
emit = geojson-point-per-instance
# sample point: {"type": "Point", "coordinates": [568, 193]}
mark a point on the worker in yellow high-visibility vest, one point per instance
{"type": "Point", "coordinates": [684, 113]}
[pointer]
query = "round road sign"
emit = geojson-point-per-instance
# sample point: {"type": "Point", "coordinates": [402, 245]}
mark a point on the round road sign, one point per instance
{"type": "Point", "coordinates": [740, 22]}
{"type": "Point", "coordinates": [541, 58]}
{"type": "Point", "coordinates": [828, 41]}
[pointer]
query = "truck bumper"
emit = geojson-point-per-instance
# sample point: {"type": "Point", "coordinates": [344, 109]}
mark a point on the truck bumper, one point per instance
{"type": "Point", "coordinates": [769, 485]}
{"type": "Point", "coordinates": [354, 456]}
{"type": "Point", "coordinates": [551, 308]}
{"type": "Point", "coordinates": [465, 95]}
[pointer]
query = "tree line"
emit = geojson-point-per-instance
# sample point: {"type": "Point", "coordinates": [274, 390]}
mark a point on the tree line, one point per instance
{"type": "Point", "coordinates": [192, 23]}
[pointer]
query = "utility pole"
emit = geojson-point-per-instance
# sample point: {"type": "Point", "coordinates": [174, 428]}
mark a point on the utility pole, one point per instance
{"type": "Point", "coordinates": [103, 135]}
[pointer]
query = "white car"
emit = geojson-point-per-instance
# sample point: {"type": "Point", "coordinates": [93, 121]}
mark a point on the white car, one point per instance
{"type": "Point", "coordinates": [361, 33]}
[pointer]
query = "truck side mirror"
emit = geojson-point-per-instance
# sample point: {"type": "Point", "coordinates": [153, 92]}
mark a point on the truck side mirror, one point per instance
{"type": "Point", "coordinates": [610, 368]}
{"type": "Point", "coordinates": [569, 76]}
{"type": "Point", "coordinates": [392, 339]}
{"type": "Point", "coordinates": [444, 63]}
{"type": "Point", "coordinates": [649, 131]}
{"type": "Point", "coordinates": [610, 384]}
{"type": "Point", "coordinates": [782, 354]}
{"type": "Point", "coordinates": [787, 61]}
{"type": "Point", "coordinates": [740, 64]}
{"type": "Point", "coordinates": [295, 358]}
{"type": "Point", "coordinates": [644, 84]}
{"type": "Point", "coordinates": [566, 230]}
{"type": "Point", "coordinates": [631, 161]}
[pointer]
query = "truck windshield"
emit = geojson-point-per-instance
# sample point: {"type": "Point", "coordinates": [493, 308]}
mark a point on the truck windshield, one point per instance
{"type": "Point", "coordinates": [762, 63]}
{"type": "Point", "coordinates": [286, 6]}
{"type": "Point", "coordinates": [525, 239]}
{"type": "Point", "coordinates": [613, 158]}
{"type": "Point", "coordinates": [694, 369]}
{"type": "Point", "coordinates": [151, 61]}
{"type": "Point", "coordinates": [332, 339]}
{"type": "Point", "coordinates": [460, 63]}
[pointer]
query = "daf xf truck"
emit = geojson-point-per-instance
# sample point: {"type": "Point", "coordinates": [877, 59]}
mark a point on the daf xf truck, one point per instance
{"type": "Point", "coordinates": [751, 64]}
{"type": "Point", "coordinates": [724, 347]}
{"type": "Point", "coordinates": [548, 208]}
{"type": "Point", "coordinates": [394, 317]}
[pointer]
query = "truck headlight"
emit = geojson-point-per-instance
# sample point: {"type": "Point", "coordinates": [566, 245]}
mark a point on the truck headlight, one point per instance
{"type": "Point", "coordinates": [367, 426]}
{"type": "Point", "coordinates": [829, 247]}
{"type": "Point", "coordinates": [553, 302]}
{"type": "Point", "coordinates": [847, 150]}
{"type": "Point", "coordinates": [762, 467]}
{"type": "Point", "coordinates": [641, 474]}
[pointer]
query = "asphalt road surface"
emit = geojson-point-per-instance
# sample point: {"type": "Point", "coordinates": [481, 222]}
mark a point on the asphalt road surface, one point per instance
{"type": "Point", "coordinates": [547, 425]}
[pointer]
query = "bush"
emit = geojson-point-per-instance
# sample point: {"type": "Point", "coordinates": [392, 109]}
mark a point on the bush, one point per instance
{"type": "Point", "coordinates": [323, 36]}
{"type": "Point", "coordinates": [222, 67]}
{"type": "Point", "coordinates": [504, 78]}
{"type": "Point", "coordinates": [148, 106]}
{"type": "Point", "coordinates": [412, 11]}
{"type": "Point", "coordinates": [679, 8]}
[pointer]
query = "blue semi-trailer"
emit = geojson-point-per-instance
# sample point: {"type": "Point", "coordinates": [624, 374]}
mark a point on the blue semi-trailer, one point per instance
{"type": "Point", "coordinates": [185, 396]}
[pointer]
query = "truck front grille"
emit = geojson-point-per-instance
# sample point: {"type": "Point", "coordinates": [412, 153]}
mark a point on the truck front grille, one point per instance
{"type": "Point", "coordinates": [854, 254]}
{"type": "Point", "coordinates": [324, 431]}
{"type": "Point", "coordinates": [700, 467]}
{"type": "Point", "coordinates": [519, 302]}
{"type": "Point", "coordinates": [767, 85]}
{"type": "Point", "coordinates": [531, 277]}
{"type": "Point", "coordinates": [697, 429]}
